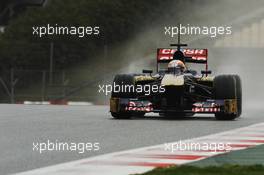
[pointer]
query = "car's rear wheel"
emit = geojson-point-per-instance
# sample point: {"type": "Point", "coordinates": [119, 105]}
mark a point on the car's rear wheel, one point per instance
{"type": "Point", "coordinates": [123, 80]}
{"type": "Point", "coordinates": [228, 87]}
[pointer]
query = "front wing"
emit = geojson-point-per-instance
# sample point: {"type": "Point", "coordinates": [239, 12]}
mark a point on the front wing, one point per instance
{"type": "Point", "coordinates": [228, 106]}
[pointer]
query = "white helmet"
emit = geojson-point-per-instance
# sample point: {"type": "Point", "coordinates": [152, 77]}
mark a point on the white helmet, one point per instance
{"type": "Point", "coordinates": [176, 64]}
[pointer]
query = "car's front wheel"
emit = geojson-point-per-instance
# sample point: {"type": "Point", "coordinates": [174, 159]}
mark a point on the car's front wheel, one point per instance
{"type": "Point", "coordinates": [228, 87]}
{"type": "Point", "coordinates": [124, 80]}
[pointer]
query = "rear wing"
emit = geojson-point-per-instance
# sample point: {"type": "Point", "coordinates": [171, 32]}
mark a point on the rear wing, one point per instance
{"type": "Point", "coordinates": [191, 55]}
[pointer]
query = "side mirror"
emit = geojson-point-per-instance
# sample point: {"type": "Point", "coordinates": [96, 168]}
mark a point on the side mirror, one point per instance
{"type": "Point", "coordinates": [147, 71]}
{"type": "Point", "coordinates": [204, 72]}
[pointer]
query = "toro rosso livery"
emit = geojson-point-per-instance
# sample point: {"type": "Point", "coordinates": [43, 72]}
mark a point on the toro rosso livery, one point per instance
{"type": "Point", "coordinates": [177, 90]}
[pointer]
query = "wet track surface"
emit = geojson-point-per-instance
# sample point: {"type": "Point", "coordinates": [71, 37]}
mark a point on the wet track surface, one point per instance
{"type": "Point", "coordinates": [21, 125]}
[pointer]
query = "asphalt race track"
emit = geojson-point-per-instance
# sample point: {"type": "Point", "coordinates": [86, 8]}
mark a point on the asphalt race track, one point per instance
{"type": "Point", "coordinates": [21, 125]}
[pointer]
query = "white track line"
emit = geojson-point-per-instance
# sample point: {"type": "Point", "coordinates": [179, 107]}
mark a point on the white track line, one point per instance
{"type": "Point", "coordinates": [144, 159]}
{"type": "Point", "coordinates": [71, 103]}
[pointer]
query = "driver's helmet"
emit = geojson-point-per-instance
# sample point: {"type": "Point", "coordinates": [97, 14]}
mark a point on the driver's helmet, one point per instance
{"type": "Point", "coordinates": [176, 66]}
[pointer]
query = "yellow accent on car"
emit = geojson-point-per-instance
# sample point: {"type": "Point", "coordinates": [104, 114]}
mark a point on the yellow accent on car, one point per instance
{"type": "Point", "coordinates": [144, 78]}
{"type": "Point", "coordinates": [114, 104]}
{"type": "Point", "coordinates": [172, 80]}
{"type": "Point", "coordinates": [206, 79]}
{"type": "Point", "coordinates": [231, 106]}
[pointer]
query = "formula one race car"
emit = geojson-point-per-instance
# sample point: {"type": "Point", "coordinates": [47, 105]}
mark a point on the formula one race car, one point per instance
{"type": "Point", "coordinates": [177, 91]}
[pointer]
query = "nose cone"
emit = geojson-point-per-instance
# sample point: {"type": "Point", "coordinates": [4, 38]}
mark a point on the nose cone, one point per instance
{"type": "Point", "coordinates": [172, 80]}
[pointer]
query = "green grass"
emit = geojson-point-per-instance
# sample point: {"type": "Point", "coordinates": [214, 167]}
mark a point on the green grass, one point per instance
{"type": "Point", "coordinates": [209, 170]}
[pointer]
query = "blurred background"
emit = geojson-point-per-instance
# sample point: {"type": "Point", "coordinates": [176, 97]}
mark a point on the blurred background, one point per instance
{"type": "Point", "coordinates": [71, 68]}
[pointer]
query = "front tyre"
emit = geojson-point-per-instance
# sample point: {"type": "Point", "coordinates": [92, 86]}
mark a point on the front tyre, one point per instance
{"type": "Point", "coordinates": [123, 80]}
{"type": "Point", "coordinates": [228, 87]}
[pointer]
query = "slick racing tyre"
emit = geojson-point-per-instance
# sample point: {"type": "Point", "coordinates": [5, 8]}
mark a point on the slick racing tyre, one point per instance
{"type": "Point", "coordinates": [239, 95]}
{"type": "Point", "coordinates": [228, 87]}
{"type": "Point", "coordinates": [122, 80]}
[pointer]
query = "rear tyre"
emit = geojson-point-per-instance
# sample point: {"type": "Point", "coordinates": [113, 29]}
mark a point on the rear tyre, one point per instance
{"type": "Point", "coordinates": [122, 80]}
{"type": "Point", "coordinates": [225, 87]}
